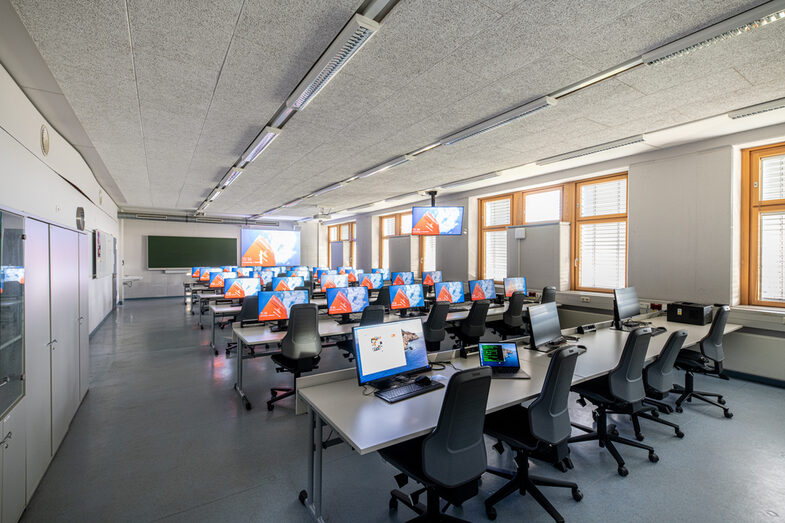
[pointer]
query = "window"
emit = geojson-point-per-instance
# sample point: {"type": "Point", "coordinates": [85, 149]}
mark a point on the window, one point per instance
{"type": "Point", "coordinates": [601, 224]}
{"type": "Point", "coordinates": [342, 232]}
{"type": "Point", "coordinates": [763, 226]}
{"type": "Point", "coordinates": [495, 216]}
{"type": "Point", "coordinates": [392, 225]}
{"type": "Point", "coordinates": [428, 246]}
{"type": "Point", "coordinates": [542, 206]}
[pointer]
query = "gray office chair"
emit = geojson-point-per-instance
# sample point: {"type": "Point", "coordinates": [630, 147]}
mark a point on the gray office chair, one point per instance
{"type": "Point", "coordinates": [532, 432]}
{"type": "Point", "coordinates": [300, 348]}
{"type": "Point", "coordinates": [449, 461]}
{"type": "Point", "coordinates": [383, 298]}
{"type": "Point", "coordinates": [512, 323]}
{"type": "Point", "coordinates": [434, 327]}
{"type": "Point", "coordinates": [708, 362]}
{"type": "Point", "coordinates": [548, 294]}
{"type": "Point", "coordinates": [472, 328]}
{"type": "Point", "coordinates": [372, 315]}
{"type": "Point", "coordinates": [620, 392]}
{"type": "Point", "coordinates": [249, 313]}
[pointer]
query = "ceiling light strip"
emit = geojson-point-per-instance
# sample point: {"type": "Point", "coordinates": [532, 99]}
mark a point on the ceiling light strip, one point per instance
{"type": "Point", "coordinates": [425, 149]}
{"type": "Point", "coordinates": [599, 77]}
{"type": "Point", "coordinates": [385, 166]}
{"type": "Point", "coordinates": [260, 143]}
{"type": "Point", "coordinates": [473, 179]}
{"type": "Point", "coordinates": [591, 150]}
{"type": "Point", "coordinates": [765, 107]}
{"type": "Point", "coordinates": [230, 177]}
{"type": "Point", "coordinates": [329, 188]}
{"type": "Point", "coordinates": [401, 197]}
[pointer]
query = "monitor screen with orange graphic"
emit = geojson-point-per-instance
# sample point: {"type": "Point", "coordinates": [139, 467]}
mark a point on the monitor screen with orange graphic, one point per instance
{"type": "Point", "coordinates": [270, 248]}
{"type": "Point", "coordinates": [437, 221]}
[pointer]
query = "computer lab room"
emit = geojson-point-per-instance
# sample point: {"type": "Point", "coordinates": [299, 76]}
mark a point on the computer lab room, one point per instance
{"type": "Point", "coordinates": [381, 261]}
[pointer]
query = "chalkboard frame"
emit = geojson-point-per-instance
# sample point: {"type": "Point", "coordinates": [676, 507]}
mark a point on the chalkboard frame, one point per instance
{"type": "Point", "coordinates": [199, 252]}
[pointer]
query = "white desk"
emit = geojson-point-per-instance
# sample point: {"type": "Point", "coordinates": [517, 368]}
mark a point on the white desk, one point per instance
{"type": "Point", "coordinates": [221, 311]}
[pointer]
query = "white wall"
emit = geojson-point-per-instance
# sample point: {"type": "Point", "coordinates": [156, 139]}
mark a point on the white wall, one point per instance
{"type": "Point", "coordinates": [46, 186]}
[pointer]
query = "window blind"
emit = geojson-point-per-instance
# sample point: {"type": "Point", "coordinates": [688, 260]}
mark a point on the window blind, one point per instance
{"type": "Point", "coordinates": [388, 226]}
{"type": "Point", "coordinates": [497, 212]}
{"type": "Point", "coordinates": [406, 224]}
{"type": "Point", "coordinates": [772, 256]}
{"type": "Point", "coordinates": [495, 254]}
{"type": "Point", "coordinates": [772, 173]}
{"type": "Point", "coordinates": [345, 232]}
{"type": "Point", "coordinates": [598, 199]}
{"type": "Point", "coordinates": [333, 234]}
{"type": "Point", "coordinates": [429, 256]}
{"type": "Point", "coordinates": [602, 255]}
{"type": "Point", "coordinates": [543, 206]}
{"type": "Point", "coordinates": [386, 253]}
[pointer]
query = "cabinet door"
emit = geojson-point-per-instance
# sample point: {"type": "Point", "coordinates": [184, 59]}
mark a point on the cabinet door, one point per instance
{"type": "Point", "coordinates": [64, 284]}
{"type": "Point", "coordinates": [38, 393]}
{"type": "Point", "coordinates": [14, 464]}
{"type": "Point", "coordinates": [85, 266]}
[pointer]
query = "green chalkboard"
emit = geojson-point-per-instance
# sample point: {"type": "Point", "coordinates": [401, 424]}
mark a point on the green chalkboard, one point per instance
{"type": "Point", "coordinates": [169, 252]}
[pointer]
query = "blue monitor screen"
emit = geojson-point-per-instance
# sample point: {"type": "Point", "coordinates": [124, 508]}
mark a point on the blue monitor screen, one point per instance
{"type": "Point", "coordinates": [372, 281]}
{"type": "Point", "coordinates": [406, 296]}
{"type": "Point", "coordinates": [514, 285]}
{"type": "Point", "coordinates": [499, 355]}
{"type": "Point", "coordinates": [204, 273]}
{"type": "Point", "coordinates": [287, 284]}
{"type": "Point", "coordinates": [275, 305]}
{"type": "Point", "coordinates": [384, 272]}
{"type": "Point", "coordinates": [354, 275]}
{"type": "Point", "coordinates": [270, 248]}
{"type": "Point", "coordinates": [265, 276]}
{"type": "Point", "coordinates": [449, 291]}
{"type": "Point", "coordinates": [195, 272]}
{"type": "Point", "coordinates": [334, 280]}
{"type": "Point", "coordinates": [241, 287]}
{"type": "Point", "coordinates": [437, 221]}
{"type": "Point", "coordinates": [217, 279]}
{"type": "Point", "coordinates": [482, 290]}
{"type": "Point", "coordinates": [345, 300]}
{"type": "Point", "coordinates": [389, 349]}
{"type": "Point", "coordinates": [431, 277]}
{"type": "Point", "coordinates": [402, 278]}
{"type": "Point", "coordinates": [322, 272]}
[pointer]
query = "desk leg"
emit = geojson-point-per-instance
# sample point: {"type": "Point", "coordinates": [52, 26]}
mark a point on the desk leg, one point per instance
{"type": "Point", "coordinates": [239, 385]}
{"type": "Point", "coordinates": [200, 314]}
{"type": "Point", "coordinates": [314, 505]}
{"type": "Point", "coordinates": [212, 335]}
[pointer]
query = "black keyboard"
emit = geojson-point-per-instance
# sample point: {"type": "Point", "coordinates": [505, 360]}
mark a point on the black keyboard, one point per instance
{"type": "Point", "coordinates": [505, 370]}
{"type": "Point", "coordinates": [402, 392]}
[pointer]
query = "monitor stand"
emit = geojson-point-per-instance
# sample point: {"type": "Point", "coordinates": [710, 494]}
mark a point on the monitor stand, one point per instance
{"type": "Point", "coordinates": [344, 319]}
{"type": "Point", "coordinates": [279, 327]}
{"type": "Point", "coordinates": [403, 313]}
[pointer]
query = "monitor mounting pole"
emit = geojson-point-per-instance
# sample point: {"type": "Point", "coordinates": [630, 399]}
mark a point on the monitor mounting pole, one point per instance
{"type": "Point", "coordinates": [432, 194]}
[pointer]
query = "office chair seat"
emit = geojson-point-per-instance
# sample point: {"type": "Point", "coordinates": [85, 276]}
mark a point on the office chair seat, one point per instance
{"type": "Point", "coordinates": [513, 424]}
{"type": "Point", "coordinates": [296, 365]}
{"type": "Point", "coordinates": [694, 361]}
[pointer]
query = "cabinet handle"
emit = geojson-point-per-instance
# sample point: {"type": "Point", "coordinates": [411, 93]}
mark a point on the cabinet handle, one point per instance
{"type": "Point", "coordinates": [51, 343]}
{"type": "Point", "coordinates": [4, 381]}
{"type": "Point", "coordinates": [7, 437]}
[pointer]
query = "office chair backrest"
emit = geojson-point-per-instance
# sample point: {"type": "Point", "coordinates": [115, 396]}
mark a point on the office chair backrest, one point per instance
{"type": "Point", "coordinates": [549, 416]}
{"type": "Point", "coordinates": [250, 308]}
{"type": "Point", "coordinates": [513, 315]}
{"type": "Point", "coordinates": [711, 345]}
{"type": "Point", "coordinates": [659, 375]}
{"type": "Point", "coordinates": [626, 380]}
{"type": "Point", "coordinates": [474, 324]}
{"type": "Point", "coordinates": [372, 315]}
{"type": "Point", "coordinates": [383, 298]}
{"type": "Point", "coordinates": [302, 337]}
{"type": "Point", "coordinates": [454, 453]}
{"type": "Point", "coordinates": [434, 326]}
{"type": "Point", "coordinates": [548, 294]}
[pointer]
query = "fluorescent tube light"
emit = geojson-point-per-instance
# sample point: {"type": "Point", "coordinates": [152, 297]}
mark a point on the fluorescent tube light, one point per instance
{"type": "Point", "coordinates": [500, 120]}
{"type": "Point", "coordinates": [757, 109]}
{"type": "Point", "coordinates": [351, 38]}
{"type": "Point", "coordinates": [293, 202]}
{"type": "Point", "coordinates": [384, 166]}
{"type": "Point", "coordinates": [350, 180]}
{"type": "Point", "coordinates": [591, 80]}
{"type": "Point", "coordinates": [260, 143]}
{"type": "Point", "coordinates": [230, 177]}
{"type": "Point", "coordinates": [473, 179]}
{"type": "Point", "coordinates": [425, 149]}
{"type": "Point", "coordinates": [733, 26]}
{"type": "Point", "coordinates": [327, 189]}
{"type": "Point", "coordinates": [402, 197]}
{"type": "Point", "coordinates": [213, 195]}
{"type": "Point", "coordinates": [591, 150]}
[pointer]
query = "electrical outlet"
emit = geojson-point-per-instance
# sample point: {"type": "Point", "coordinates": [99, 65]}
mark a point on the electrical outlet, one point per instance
{"type": "Point", "coordinates": [585, 299]}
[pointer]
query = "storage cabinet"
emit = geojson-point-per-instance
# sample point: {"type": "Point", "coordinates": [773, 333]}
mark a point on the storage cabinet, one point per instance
{"type": "Point", "coordinates": [85, 265]}
{"type": "Point", "coordinates": [12, 447]}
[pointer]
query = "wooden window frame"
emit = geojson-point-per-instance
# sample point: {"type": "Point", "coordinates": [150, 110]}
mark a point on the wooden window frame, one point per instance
{"type": "Point", "coordinates": [751, 209]}
{"type": "Point", "coordinates": [352, 239]}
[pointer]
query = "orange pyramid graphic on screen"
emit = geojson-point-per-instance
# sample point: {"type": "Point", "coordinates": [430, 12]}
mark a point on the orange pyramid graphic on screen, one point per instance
{"type": "Point", "coordinates": [235, 291]}
{"type": "Point", "coordinates": [340, 304]}
{"type": "Point", "coordinates": [478, 293]}
{"type": "Point", "coordinates": [218, 282]}
{"type": "Point", "coordinates": [205, 276]}
{"type": "Point", "coordinates": [259, 253]}
{"type": "Point", "coordinates": [398, 280]}
{"type": "Point", "coordinates": [352, 277]}
{"type": "Point", "coordinates": [273, 310]}
{"type": "Point", "coordinates": [328, 284]}
{"type": "Point", "coordinates": [367, 283]}
{"type": "Point", "coordinates": [428, 280]}
{"type": "Point", "coordinates": [444, 295]}
{"type": "Point", "coordinates": [282, 286]}
{"type": "Point", "coordinates": [401, 300]}
{"type": "Point", "coordinates": [427, 225]}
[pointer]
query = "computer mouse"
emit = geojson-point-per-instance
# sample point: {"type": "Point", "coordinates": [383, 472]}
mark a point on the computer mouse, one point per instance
{"type": "Point", "coordinates": [423, 380]}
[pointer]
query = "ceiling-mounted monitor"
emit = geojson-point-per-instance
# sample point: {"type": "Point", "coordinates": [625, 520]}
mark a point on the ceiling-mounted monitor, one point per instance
{"type": "Point", "coordinates": [437, 221]}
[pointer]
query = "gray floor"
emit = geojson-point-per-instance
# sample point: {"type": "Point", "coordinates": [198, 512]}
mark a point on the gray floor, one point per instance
{"type": "Point", "coordinates": [162, 436]}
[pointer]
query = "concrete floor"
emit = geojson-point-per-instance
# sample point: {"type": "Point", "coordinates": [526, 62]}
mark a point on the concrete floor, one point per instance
{"type": "Point", "coordinates": [162, 436]}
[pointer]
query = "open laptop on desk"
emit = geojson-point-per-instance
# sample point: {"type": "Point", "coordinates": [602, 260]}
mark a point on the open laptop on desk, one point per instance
{"type": "Point", "coordinates": [387, 357]}
{"type": "Point", "coordinates": [502, 358]}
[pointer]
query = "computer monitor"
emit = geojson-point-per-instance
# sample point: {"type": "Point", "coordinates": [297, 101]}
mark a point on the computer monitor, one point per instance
{"type": "Point", "coordinates": [625, 305]}
{"type": "Point", "coordinates": [435, 221]}
{"type": "Point", "coordinates": [385, 350]}
{"type": "Point", "coordinates": [402, 278]}
{"type": "Point", "coordinates": [275, 305]}
{"type": "Point", "coordinates": [241, 287]}
{"type": "Point", "coordinates": [343, 270]}
{"type": "Point", "coordinates": [544, 324]}
{"type": "Point", "coordinates": [482, 290]}
{"type": "Point", "coordinates": [195, 272]}
{"type": "Point", "coordinates": [512, 285]}
{"type": "Point", "coordinates": [329, 281]}
{"type": "Point", "coordinates": [346, 300]}
{"type": "Point", "coordinates": [371, 280]}
{"type": "Point", "coordinates": [204, 274]}
{"type": "Point", "coordinates": [449, 291]}
{"type": "Point", "coordinates": [217, 279]}
{"type": "Point", "coordinates": [228, 268]}
{"type": "Point", "coordinates": [265, 275]}
{"type": "Point", "coordinates": [499, 354]}
{"type": "Point", "coordinates": [403, 297]}
{"type": "Point", "coordinates": [299, 273]}
{"type": "Point", "coordinates": [322, 272]}
{"type": "Point", "coordinates": [354, 275]}
{"type": "Point", "coordinates": [244, 272]}
{"type": "Point", "coordinates": [288, 283]}
{"type": "Point", "coordinates": [384, 272]}
{"type": "Point", "coordinates": [431, 277]}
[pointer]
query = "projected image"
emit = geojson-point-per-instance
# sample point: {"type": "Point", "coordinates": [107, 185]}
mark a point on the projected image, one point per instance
{"type": "Point", "coordinates": [354, 275]}
{"type": "Point", "coordinates": [217, 279]}
{"type": "Point", "coordinates": [435, 221]}
{"type": "Point", "coordinates": [275, 305]}
{"type": "Point", "coordinates": [406, 296]}
{"type": "Point", "coordinates": [482, 290]}
{"type": "Point", "coordinates": [402, 278]}
{"type": "Point", "coordinates": [384, 272]}
{"type": "Point", "coordinates": [330, 281]}
{"type": "Point", "coordinates": [270, 248]}
{"type": "Point", "coordinates": [450, 291]}
{"type": "Point", "coordinates": [431, 277]}
{"type": "Point", "coordinates": [287, 284]}
{"type": "Point", "coordinates": [346, 300]}
{"type": "Point", "coordinates": [371, 281]}
{"type": "Point", "coordinates": [241, 287]}
{"type": "Point", "coordinates": [514, 285]}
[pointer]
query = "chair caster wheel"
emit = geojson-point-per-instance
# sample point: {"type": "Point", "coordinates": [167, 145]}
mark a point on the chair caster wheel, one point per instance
{"type": "Point", "coordinates": [654, 458]}
{"type": "Point", "coordinates": [215, 351]}
{"type": "Point", "coordinates": [201, 327]}
{"type": "Point", "coordinates": [679, 410]}
{"type": "Point", "coordinates": [613, 431]}
{"type": "Point", "coordinates": [728, 414]}
{"type": "Point", "coordinates": [490, 512]}
{"type": "Point", "coordinates": [721, 400]}
{"type": "Point", "coordinates": [655, 414]}
{"type": "Point", "coordinates": [639, 437]}
{"type": "Point", "coordinates": [393, 504]}
{"type": "Point", "coordinates": [270, 406]}
{"type": "Point", "coordinates": [568, 461]}
{"type": "Point", "coordinates": [577, 495]}
{"type": "Point", "coordinates": [622, 471]}
{"type": "Point", "coordinates": [499, 447]}
{"type": "Point", "coordinates": [561, 466]}
{"type": "Point", "coordinates": [679, 434]}
{"type": "Point", "coordinates": [246, 404]}
{"type": "Point", "coordinates": [302, 496]}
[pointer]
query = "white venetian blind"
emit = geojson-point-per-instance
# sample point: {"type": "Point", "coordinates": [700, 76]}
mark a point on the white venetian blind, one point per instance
{"type": "Point", "coordinates": [345, 231]}
{"type": "Point", "coordinates": [497, 212]}
{"type": "Point", "coordinates": [495, 254]}
{"type": "Point", "coordinates": [386, 253]}
{"type": "Point", "coordinates": [429, 256]}
{"type": "Point", "coordinates": [602, 198]}
{"type": "Point", "coordinates": [772, 170]}
{"type": "Point", "coordinates": [406, 224]}
{"type": "Point", "coordinates": [772, 256]}
{"type": "Point", "coordinates": [333, 234]}
{"type": "Point", "coordinates": [388, 226]}
{"type": "Point", "coordinates": [543, 206]}
{"type": "Point", "coordinates": [602, 255]}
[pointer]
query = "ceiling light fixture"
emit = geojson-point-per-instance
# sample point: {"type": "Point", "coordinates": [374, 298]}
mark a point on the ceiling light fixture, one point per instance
{"type": "Point", "coordinates": [351, 38]}
{"type": "Point", "coordinates": [213, 195]}
{"type": "Point", "coordinates": [599, 77]}
{"type": "Point", "coordinates": [327, 189]}
{"type": "Point", "coordinates": [473, 179]}
{"type": "Point", "coordinates": [500, 120]}
{"type": "Point", "coordinates": [260, 143]}
{"type": "Point", "coordinates": [758, 109]}
{"type": "Point", "coordinates": [591, 150]}
{"type": "Point", "coordinates": [293, 202]}
{"type": "Point", "coordinates": [425, 149]}
{"type": "Point", "coordinates": [401, 197]}
{"type": "Point", "coordinates": [230, 177]}
{"type": "Point", "coordinates": [385, 166]}
{"type": "Point", "coordinates": [741, 23]}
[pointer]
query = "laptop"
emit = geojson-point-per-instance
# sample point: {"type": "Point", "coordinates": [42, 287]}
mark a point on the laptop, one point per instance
{"type": "Point", "coordinates": [502, 358]}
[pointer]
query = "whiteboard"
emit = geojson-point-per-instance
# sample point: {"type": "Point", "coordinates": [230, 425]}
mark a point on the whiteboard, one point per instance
{"type": "Point", "coordinates": [103, 254]}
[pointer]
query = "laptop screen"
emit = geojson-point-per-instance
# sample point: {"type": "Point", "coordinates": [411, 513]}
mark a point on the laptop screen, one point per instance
{"type": "Point", "coordinates": [499, 355]}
